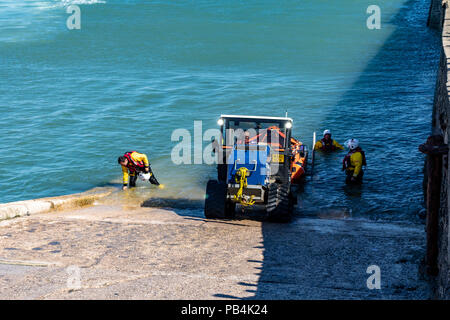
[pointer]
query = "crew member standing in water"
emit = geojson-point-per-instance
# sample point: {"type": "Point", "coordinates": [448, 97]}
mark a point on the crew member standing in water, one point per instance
{"type": "Point", "coordinates": [353, 162]}
{"type": "Point", "coordinates": [133, 164]}
{"type": "Point", "coordinates": [327, 144]}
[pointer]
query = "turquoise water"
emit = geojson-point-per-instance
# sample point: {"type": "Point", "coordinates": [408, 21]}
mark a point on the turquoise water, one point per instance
{"type": "Point", "coordinates": [71, 101]}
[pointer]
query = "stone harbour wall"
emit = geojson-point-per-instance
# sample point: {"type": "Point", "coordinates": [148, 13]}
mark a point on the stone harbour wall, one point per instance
{"type": "Point", "coordinates": [439, 18]}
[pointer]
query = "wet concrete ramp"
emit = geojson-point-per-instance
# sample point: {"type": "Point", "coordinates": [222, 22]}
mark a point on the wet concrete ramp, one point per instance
{"type": "Point", "coordinates": [151, 253]}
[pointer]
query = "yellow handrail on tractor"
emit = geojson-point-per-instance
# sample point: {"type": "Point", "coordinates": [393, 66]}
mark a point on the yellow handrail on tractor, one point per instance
{"type": "Point", "coordinates": [241, 178]}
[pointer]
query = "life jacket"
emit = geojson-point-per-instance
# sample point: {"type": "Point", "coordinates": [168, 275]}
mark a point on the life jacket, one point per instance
{"type": "Point", "coordinates": [327, 145]}
{"type": "Point", "coordinates": [346, 163]}
{"type": "Point", "coordinates": [133, 165]}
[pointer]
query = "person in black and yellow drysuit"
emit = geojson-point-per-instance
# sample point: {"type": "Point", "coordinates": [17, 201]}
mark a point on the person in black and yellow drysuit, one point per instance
{"type": "Point", "coordinates": [134, 163]}
{"type": "Point", "coordinates": [327, 144]}
{"type": "Point", "coordinates": [353, 162]}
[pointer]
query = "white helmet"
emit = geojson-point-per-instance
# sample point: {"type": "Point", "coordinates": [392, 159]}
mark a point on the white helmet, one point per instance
{"type": "Point", "coordinates": [326, 132]}
{"type": "Point", "coordinates": [352, 144]}
{"type": "Point", "coordinates": [144, 176]}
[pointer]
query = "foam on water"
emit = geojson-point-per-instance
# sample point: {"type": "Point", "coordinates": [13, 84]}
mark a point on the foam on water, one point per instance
{"type": "Point", "coordinates": [28, 20]}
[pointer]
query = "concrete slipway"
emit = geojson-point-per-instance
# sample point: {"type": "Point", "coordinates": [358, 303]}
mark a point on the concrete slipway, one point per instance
{"type": "Point", "coordinates": [102, 248]}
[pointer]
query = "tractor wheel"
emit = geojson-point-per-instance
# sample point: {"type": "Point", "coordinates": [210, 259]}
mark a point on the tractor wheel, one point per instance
{"type": "Point", "coordinates": [216, 200]}
{"type": "Point", "coordinates": [222, 172]}
{"type": "Point", "coordinates": [280, 204]}
{"type": "Point", "coordinates": [230, 210]}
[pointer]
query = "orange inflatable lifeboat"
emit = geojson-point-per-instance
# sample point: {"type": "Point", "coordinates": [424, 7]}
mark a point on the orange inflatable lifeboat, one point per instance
{"type": "Point", "coordinates": [299, 161]}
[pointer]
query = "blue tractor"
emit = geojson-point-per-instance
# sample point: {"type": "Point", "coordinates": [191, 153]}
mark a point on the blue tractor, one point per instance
{"type": "Point", "coordinates": [259, 164]}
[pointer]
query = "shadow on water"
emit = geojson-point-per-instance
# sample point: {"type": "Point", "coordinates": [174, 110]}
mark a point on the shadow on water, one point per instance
{"type": "Point", "coordinates": [388, 108]}
{"type": "Point", "coordinates": [298, 266]}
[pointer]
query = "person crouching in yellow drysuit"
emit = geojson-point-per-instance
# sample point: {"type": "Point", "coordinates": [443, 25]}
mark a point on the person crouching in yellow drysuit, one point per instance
{"type": "Point", "coordinates": [133, 164]}
{"type": "Point", "coordinates": [327, 144]}
{"type": "Point", "coordinates": [353, 162]}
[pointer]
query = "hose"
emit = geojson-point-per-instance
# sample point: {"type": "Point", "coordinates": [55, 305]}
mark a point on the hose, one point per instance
{"type": "Point", "coordinates": [241, 178]}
